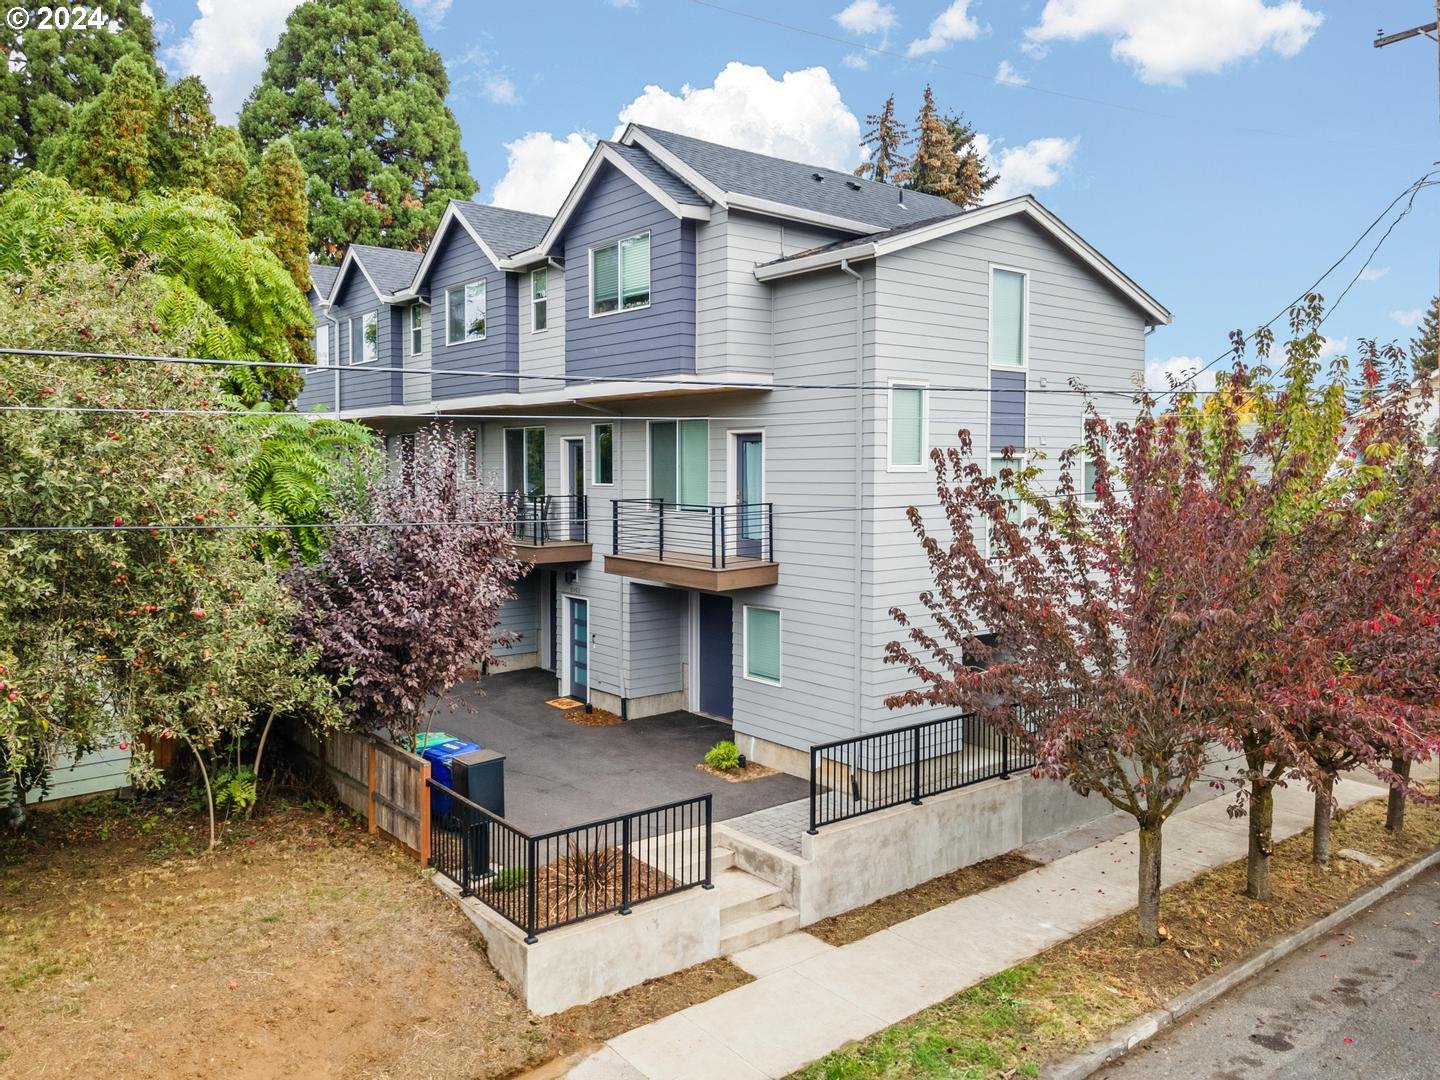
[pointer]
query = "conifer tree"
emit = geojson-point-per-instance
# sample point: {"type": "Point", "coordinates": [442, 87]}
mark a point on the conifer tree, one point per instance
{"type": "Point", "coordinates": [886, 139]}
{"type": "Point", "coordinates": [274, 206]}
{"type": "Point", "coordinates": [362, 97]}
{"type": "Point", "coordinates": [973, 176]}
{"type": "Point", "coordinates": [181, 138]}
{"type": "Point", "coordinates": [1424, 349]}
{"type": "Point", "coordinates": [226, 165]}
{"type": "Point", "coordinates": [934, 167]}
{"type": "Point", "coordinates": [105, 147]}
{"type": "Point", "coordinates": [47, 74]}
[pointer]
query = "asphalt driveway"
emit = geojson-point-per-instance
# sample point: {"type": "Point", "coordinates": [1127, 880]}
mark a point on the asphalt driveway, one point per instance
{"type": "Point", "coordinates": [559, 774]}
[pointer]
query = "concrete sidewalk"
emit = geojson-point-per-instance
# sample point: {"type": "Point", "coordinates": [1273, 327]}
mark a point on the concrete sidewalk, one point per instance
{"type": "Point", "coordinates": [809, 998]}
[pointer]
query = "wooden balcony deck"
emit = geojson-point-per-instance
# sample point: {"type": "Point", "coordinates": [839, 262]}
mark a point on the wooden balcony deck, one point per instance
{"type": "Point", "coordinates": [694, 571]}
{"type": "Point", "coordinates": [554, 551]}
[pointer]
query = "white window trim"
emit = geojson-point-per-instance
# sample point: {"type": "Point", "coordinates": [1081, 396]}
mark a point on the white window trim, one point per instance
{"type": "Point", "coordinates": [533, 301]}
{"type": "Point", "coordinates": [505, 453]}
{"type": "Point", "coordinates": [745, 644]}
{"type": "Point", "coordinates": [322, 330]}
{"type": "Point", "coordinates": [677, 421]}
{"type": "Point", "coordinates": [1024, 364]}
{"type": "Point", "coordinates": [732, 467]}
{"type": "Point", "coordinates": [925, 447]}
{"type": "Point", "coordinates": [620, 308]}
{"type": "Point", "coordinates": [411, 327]}
{"type": "Point", "coordinates": [485, 313]}
{"type": "Point", "coordinates": [614, 455]}
{"type": "Point", "coordinates": [350, 335]}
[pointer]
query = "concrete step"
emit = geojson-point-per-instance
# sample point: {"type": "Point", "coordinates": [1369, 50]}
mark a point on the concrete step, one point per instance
{"type": "Point", "coordinates": [742, 895]}
{"type": "Point", "coordinates": [758, 928]}
{"type": "Point", "coordinates": [687, 859]}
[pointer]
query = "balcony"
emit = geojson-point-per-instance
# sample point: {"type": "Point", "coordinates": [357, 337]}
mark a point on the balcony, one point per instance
{"type": "Point", "coordinates": [549, 529]}
{"type": "Point", "coordinates": [717, 548]}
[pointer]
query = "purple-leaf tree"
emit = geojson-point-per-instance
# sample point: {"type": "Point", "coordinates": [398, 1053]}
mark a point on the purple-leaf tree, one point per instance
{"type": "Point", "coordinates": [405, 601]}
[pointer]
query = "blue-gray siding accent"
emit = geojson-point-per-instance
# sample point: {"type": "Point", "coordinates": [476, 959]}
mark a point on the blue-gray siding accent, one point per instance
{"type": "Point", "coordinates": [363, 386]}
{"type": "Point", "coordinates": [458, 262]}
{"type": "Point", "coordinates": [656, 340]}
{"type": "Point", "coordinates": [1007, 410]}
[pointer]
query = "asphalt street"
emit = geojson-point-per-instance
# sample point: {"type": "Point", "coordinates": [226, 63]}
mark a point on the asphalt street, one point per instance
{"type": "Point", "coordinates": [1363, 1001]}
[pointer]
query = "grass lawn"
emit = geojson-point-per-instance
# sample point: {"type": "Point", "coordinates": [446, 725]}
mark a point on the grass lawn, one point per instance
{"type": "Point", "coordinates": [301, 947]}
{"type": "Point", "coordinates": [1063, 999]}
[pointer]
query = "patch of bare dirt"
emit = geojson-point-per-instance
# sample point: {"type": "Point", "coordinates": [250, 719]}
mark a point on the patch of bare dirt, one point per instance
{"type": "Point", "coordinates": [751, 771]}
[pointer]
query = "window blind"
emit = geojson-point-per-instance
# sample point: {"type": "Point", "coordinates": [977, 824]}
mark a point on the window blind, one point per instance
{"type": "Point", "coordinates": [762, 644]}
{"type": "Point", "coordinates": [635, 270]}
{"type": "Point", "coordinates": [907, 425]}
{"type": "Point", "coordinates": [1007, 314]}
{"type": "Point", "coordinates": [605, 283]}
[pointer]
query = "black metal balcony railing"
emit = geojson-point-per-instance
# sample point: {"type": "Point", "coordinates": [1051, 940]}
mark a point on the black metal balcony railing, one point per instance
{"type": "Point", "coordinates": [548, 519]}
{"type": "Point", "coordinates": [719, 535]}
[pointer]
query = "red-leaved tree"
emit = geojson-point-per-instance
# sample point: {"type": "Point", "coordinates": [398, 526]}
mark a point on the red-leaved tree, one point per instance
{"type": "Point", "coordinates": [406, 598]}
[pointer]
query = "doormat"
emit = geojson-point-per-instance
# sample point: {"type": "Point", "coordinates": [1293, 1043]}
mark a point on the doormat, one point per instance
{"type": "Point", "coordinates": [564, 703]}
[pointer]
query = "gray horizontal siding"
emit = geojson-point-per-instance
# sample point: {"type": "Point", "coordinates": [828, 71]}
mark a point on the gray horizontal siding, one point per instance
{"type": "Point", "coordinates": [1007, 409]}
{"type": "Point", "coordinates": [657, 641]}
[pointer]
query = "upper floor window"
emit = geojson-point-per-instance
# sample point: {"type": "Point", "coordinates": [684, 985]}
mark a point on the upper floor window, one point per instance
{"type": "Point", "coordinates": [539, 305]}
{"type": "Point", "coordinates": [417, 329]}
{"type": "Point", "coordinates": [465, 313]}
{"type": "Point", "coordinates": [322, 345]}
{"type": "Point", "coordinates": [1009, 308]}
{"type": "Point", "coordinates": [365, 338]}
{"type": "Point", "coordinates": [525, 460]}
{"type": "Point", "coordinates": [620, 275]}
{"type": "Point", "coordinates": [602, 455]}
{"type": "Point", "coordinates": [680, 461]}
{"type": "Point", "coordinates": [1089, 474]}
{"type": "Point", "coordinates": [907, 427]}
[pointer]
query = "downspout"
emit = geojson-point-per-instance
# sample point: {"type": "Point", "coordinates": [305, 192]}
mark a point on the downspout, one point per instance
{"type": "Point", "coordinates": [858, 536]}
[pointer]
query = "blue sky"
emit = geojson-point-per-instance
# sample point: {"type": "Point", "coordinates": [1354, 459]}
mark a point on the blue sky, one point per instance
{"type": "Point", "coordinates": [1222, 152]}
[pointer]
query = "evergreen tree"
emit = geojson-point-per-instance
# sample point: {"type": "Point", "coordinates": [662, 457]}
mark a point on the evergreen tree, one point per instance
{"type": "Point", "coordinates": [362, 97]}
{"type": "Point", "coordinates": [885, 138]}
{"type": "Point", "coordinates": [48, 73]}
{"type": "Point", "coordinates": [226, 165]}
{"type": "Point", "coordinates": [973, 177]}
{"type": "Point", "coordinates": [105, 145]}
{"type": "Point", "coordinates": [274, 206]}
{"type": "Point", "coordinates": [934, 168]}
{"type": "Point", "coordinates": [1424, 349]}
{"type": "Point", "coordinates": [181, 138]}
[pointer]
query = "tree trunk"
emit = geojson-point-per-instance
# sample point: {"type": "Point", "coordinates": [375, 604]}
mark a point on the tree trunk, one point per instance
{"type": "Point", "coordinates": [209, 794]}
{"type": "Point", "coordinates": [259, 752]}
{"type": "Point", "coordinates": [1324, 814]}
{"type": "Point", "coordinates": [1395, 808]}
{"type": "Point", "coordinates": [1262, 818]}
{"type": "Point", "coordinates": [1148, 913]}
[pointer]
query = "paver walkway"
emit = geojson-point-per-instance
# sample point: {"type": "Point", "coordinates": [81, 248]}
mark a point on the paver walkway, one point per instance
{"type": "Point", "coordinates": [809, 998]}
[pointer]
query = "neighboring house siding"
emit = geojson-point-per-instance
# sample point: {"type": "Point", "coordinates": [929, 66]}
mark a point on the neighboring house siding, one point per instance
{"type": "Point", "coordinates": [364, 386]}
{"type": "Point", "coordinates": [416, 388]}
{"type": "Point", "coordinates": [104, 770]}
{"type": "Point", "coordinates": [458, 262]}
{"type": "Point", "coordinates": [542, 353]}
{"type": "Point", "coordinates": [656, 340]}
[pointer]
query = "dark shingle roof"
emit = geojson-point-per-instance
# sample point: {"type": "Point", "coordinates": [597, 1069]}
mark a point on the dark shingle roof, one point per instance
{"type": "Point", "coordinates": [322, 277]}
{"type": "Point", "coordinates": [506, 231]}
{"type": "Point", "coordinates": [662, 177]}
{"type": "Point", "coordinates": [391, 270]}
{"type": "Point", "coordinates": [869, 238]}
{"type": "Point", "coordinates": [792, 183]}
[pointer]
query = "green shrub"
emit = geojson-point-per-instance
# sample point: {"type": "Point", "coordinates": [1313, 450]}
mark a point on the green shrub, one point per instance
{"type": "Point", "coordinates": [724, 755]}
{"type": "Point", "coordinates": [512, 877]}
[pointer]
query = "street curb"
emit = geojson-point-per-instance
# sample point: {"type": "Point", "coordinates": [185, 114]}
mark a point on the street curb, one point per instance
{"type": "Point", "coordinates": [1125, 1038]}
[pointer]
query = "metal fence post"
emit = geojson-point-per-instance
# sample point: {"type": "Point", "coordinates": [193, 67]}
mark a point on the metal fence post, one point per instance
{"type": "Point", "coordinates": [770, 528]}
{"type": "Point", "coordinates": [1005, 756]}
{"type": "Point", "coordinates": [915, 768]}
{"type": "Point", "coordinates": [615, 526]}
{"type": "Point", "coordinates": [709, 882]}
{"type": "Point", "coordinates": [532, 915]}
{"type": "Point", "coordinates": [814, 790]}
{"type": "Point", "coordinates": [625, 866]}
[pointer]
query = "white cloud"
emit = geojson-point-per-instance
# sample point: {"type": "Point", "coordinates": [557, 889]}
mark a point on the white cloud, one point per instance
{"type": "Point", "coordinates": [951, 25]}
{"type": "Point", "coordinates": [624, 3]}
{"type": "Point", "coordinates": [541, 170]}
{"type": "Point", "coordinates": [1168, 40]}
{"type": "Point", "coordinates": [1409, 318]}
{"type": "Point", "coordinates": [867, 17]}
{"type": "Point", "coordinates": [1163, 374]}
{"type": "Point", "coordinates": [799, 116]}
{"type": "Point", "coordinates": [1374, 273]}
{"type": "Point", "coordinates": [499, 89]}
{"type": "Point", "coordinates": [1031, 166]}
{"type": "Point", "coordinates": [431, 12]}
{"type": "Point", "coordinates": [857, 60]}
{"type": "Point", "coordinates": [1006, 75]}
{"type": "Point", "coordinates": [226, 45]}
{"type": "Point", "coordinates": [1333, 347]}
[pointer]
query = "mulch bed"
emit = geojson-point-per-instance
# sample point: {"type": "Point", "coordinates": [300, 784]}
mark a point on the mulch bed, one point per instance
{"type": "Point", "coordinates": [751, 771]}
{"type": "Point", "coordinates": [594, 718]}
{"type": "Point", "coordinates": [578, 884]}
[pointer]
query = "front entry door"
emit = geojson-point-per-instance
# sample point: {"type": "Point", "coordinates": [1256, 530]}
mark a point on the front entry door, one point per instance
{"type": "Point", "coordinates": [574, 514]}
{"type": "Point", "coordinates": [716, 656]}
{"type": "Point", "coordinates": [579, 649]}
{"type": "Point", "coordinates": [749, 494]}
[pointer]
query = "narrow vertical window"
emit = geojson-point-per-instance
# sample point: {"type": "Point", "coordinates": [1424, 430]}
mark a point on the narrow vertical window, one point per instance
{"type": "Point", "coordinates": [1007, 318]}
{"type": "Point", "coordinates": [417, 329]}
{"type": "Point", "coordinates": [322, 345]}
{"type": "Point", "coordinates": [539, 301]}
{"type": "Point", "coordinates": [357, 340]}
{"type": "Point", "coordinates": [762, 645]}
{"type": "Point", "coordinates": [1005, 490]}
{"type": "Point", "coordinates": [907, 426]}
{"type": "Point", "coordinates": [602, 454]}
{"type": "Point", "coordinates": [370, 337]}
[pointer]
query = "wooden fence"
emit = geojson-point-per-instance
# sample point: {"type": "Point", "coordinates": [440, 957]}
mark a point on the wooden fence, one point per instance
{"type": "Point", "coordinates": [377, 779]}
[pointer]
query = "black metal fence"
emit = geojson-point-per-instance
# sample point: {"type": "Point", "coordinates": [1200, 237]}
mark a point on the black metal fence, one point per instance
{"type": "Point", "coordinates": [548, 519]}
{"type": "Point", "coordinates": [852, 777]}
{"type": "Point", "coordinates": [717, 535]}
{"type": "Point", "coordinates": [546, 880]}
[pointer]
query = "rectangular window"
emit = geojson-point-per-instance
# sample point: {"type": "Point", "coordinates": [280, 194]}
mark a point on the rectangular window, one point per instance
{"type": "Point", "coordinates": [1007, 318]}
{"type": "Point", "coordinates": [602, 453]}
{"type": "Point", "coordinates": [539, 306]}
{"type": "Point", "coordinates": [465, 313]}
{"type": "Point", "coordinates": [762, 645]}
{"type": "Point", "coordinates": [620, 275]}
{"type": "Point", "coordinates": [417, 329]}
{"type": "Point", "coordinates": [525, 460]}
{"type": "Point", "coordinates": [1088, 472]}
{"type": "Point", "coordinates": [907, 426]}
{"type": "Point", "coordinates": [322, 345]}
{"type": "Point", "coordinates": [365, 338]}
{"type": "Point", "coordinates": [998, 465]}
{"type": "Point", "coordinates": [680, 462]}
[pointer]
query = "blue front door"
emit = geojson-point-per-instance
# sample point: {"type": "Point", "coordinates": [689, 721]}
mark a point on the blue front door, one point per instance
{"type": "Point", "coordinates": [579, 649]}
{"type": "Point", "coordinates": [717, 656]}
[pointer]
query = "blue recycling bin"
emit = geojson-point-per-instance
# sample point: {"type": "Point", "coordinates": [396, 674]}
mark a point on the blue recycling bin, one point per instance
{"type": "Point", "coordinates": [439, 757]}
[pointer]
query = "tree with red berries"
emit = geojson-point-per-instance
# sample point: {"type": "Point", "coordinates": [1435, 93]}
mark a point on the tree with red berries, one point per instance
{"type": "Point", "coordinates": [405, 611]}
